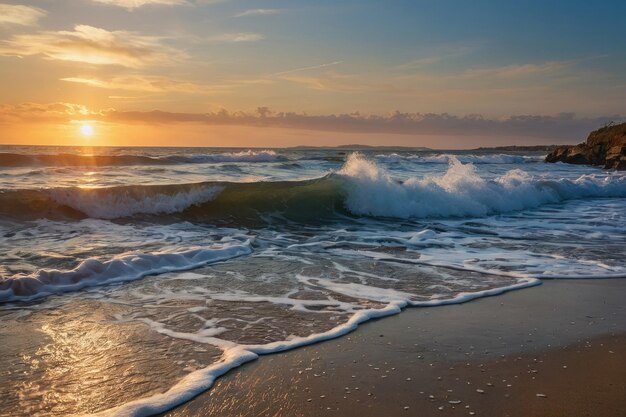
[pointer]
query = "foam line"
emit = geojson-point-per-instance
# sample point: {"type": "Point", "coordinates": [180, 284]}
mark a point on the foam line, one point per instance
{"type": "Point", "coordinates": [92, 272]}
{"type": "Point", "coordinates": [201, 380]}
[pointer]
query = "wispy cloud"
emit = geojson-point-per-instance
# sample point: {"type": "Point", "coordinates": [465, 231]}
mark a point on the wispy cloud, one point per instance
{"type": "Point", "coordinates": [237, 37]}
{"type": "Point", "coordinates": [133, 4]}
{"type": "Point", "coordinates": [436, 54]}
{"type": "Point", "coordinates": [312, 67]}
{"type": "Point", "coordinates": [151, 84]}
{"type": "Point", "coordinates": [517, 70]}
{"type": "Point", "coordinates": [487, 77]}
{"type": "Point", "coordinates": [329, 81]}
{"type": "Point", "coordinates": [259, 12]}
{"type": "Point", "coordinates": [11, 14]}
{"type": "Point", "coordinates": [92, 45]}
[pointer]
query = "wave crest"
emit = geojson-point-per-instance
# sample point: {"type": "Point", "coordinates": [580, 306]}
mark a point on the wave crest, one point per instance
{"type": "Point", "coordinates": [460, 192]}
{"type": "Point", "coordinates": [112, 203]}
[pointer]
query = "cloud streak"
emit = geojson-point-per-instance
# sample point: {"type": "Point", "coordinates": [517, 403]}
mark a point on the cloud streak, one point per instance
{"type": "Point", "coordinates": [564, 126]}
{"type": "Point", "coordinates": [312, 67]}
{"type": "Point", "coordinates": [259, 12]}
{"type": "Point", "coordinates": [19, 15]}
{"type": "Point", "coordinates": [149, 84]}
{"type": "Point", "coordinates": [134, 4]}
{"type": "Point", "coordinates": [237, 37]}
{"type": "Point", "coordinates": [92, 45]}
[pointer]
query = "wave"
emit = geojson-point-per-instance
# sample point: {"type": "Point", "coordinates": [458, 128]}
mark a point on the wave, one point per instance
{"type": "Point", "coordinates": [466, 159]}
{"type": "Point", "coordinates": [107, 203]}
{"type": "Point", "coordinates": [461, 192]}
{"type": "Point", "coordinates": [209, 201]}
{"type": "Point", "coordinates": [243, 156]}
{"type": "Point", "coordinates": [92, 272]}
{"type": "Point", "coordinates": [65, 159]}
{"type": "Point", "coordinates": [360, 188]}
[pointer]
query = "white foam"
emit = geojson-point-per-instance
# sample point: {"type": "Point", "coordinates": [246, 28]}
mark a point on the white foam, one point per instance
{"type": "Point", "coordinates": [243, 156]}
{"type": "Point", "coordinates": [115, 203]}
{"type": "Point", "coordinates": [460, 192]}
{"type": "Point", "coordinates": [92, 272]}
{"type": "Point", "coordinates": [464, 158]}
{"type": "Point", "coordinates": [235, 355]}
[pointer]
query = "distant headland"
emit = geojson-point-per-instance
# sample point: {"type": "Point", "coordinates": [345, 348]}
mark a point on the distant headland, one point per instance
{"type": "Point", "coordinates": [604, 147]}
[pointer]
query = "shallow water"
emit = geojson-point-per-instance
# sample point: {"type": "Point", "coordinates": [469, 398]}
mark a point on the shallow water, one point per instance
{"type": "Point", "coordinates": [132, 277]}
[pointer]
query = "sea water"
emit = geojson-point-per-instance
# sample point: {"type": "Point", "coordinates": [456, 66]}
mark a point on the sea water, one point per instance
{"type": "Point", "coordinates": [131, 278]}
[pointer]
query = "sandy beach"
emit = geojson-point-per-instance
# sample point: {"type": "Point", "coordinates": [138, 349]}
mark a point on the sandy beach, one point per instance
{"type": "Point", "coordinates": [553, 350]}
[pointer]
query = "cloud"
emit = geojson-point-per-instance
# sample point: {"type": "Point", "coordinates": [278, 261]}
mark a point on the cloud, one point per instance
{"type": "Point", "coordinates": [92, 45]}
{"type": "Point", "coordinates": [328, 64]}
{"type": "Point", "coordinates": [561, 126]}
{"type": "Point", "coordinates": [326, 81]}
{"type": "Point", "coordinates": [258, 12]}
{"type": "Point", "coordinates": [564, 126]}
{"type": "Point", "coordinates": [133, 4]}
{"type": "Point", "coordinates": [151, 84]}
{"type": "Point", "coordinates": [51, 112]}
{"type": "Point", "coordinates": [517, 71]}
{"type": "Point", "coordinates": [19, 15]}
{"type": "Point", "coordinates": [490, 75]}
{"type": "Point", "coordinates": [237, 37]}
{"type": "Point", "coordinates": [329, 81]}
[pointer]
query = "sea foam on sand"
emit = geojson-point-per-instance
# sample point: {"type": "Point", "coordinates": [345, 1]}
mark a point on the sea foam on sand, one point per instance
{"type": "Point", "coordinates": [236, 355]}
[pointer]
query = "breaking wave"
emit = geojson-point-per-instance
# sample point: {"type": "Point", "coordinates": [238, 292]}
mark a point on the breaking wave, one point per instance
{"type": "Point", "coordinates": [360, 188]}
{"type": "Point", "coordinates": [92, 272]}
{"type": "Point", "coordinates": [461, 192]}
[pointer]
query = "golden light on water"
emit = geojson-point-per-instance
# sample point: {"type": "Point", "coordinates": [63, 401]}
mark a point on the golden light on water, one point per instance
{"type": "Point", "coordinates": [86, 130]}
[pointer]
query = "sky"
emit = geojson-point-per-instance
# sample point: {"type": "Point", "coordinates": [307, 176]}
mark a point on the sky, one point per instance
{"type": "Point", "coordinates": [255, 73]}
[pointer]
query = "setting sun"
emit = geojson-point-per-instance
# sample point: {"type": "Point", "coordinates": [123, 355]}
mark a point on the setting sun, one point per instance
{"type": "Point", "coordinates": [86, 130]}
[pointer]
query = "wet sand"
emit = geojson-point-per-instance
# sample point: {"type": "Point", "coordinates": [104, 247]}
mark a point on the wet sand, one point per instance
{"type": "Point", "coordinates": [558, 349]}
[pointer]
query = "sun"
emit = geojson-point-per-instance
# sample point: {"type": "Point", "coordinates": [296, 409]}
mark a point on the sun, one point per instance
{"type": "Point", "coordinates": [86, 130]}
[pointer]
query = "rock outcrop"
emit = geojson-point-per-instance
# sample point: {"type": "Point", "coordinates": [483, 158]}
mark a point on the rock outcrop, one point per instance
{"type": "Point", "coordinates": [605, 147]}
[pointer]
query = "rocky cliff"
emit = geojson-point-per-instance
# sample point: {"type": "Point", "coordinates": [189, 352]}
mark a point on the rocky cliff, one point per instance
{"type": "Point", "coordinates": [605, 147]}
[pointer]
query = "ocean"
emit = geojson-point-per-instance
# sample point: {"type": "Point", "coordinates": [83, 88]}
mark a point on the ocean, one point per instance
{"type": "Point", "coordinates": [131, 278]}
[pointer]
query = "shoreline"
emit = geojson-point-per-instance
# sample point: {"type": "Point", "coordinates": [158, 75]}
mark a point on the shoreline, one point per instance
{"type": "Point", "coordinates": [448, 353]}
